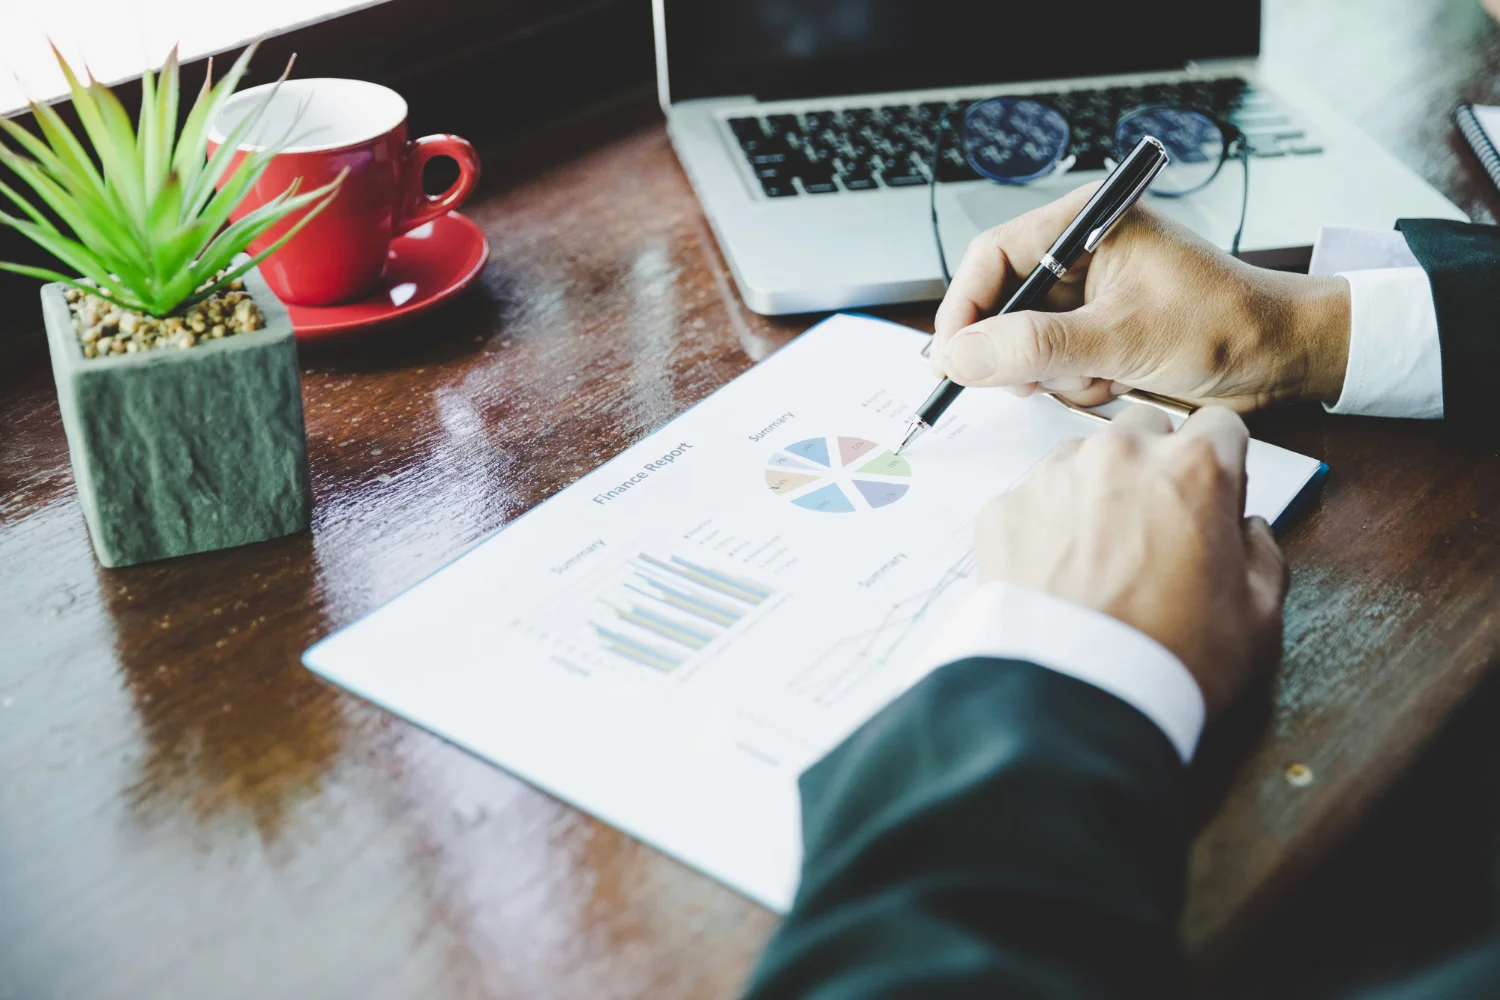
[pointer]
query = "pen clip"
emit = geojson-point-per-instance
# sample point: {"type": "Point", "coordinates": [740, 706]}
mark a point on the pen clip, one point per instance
{"type": "Point", "coordinates": [1098, 234]}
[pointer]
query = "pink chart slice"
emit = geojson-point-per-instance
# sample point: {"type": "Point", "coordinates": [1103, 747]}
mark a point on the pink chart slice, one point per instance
{"type": "Point", "coordinates": [852, 449]}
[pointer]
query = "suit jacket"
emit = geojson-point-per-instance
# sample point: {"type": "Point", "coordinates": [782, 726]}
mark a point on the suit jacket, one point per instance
{"type": "Point", "coordinates": [1003, 830]}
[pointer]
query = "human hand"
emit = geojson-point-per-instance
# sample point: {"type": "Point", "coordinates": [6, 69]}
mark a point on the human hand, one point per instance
{"type": "Point", "coordinates": [1146, 525]}
{"type": "Point", "coordinates": [1153, 307]}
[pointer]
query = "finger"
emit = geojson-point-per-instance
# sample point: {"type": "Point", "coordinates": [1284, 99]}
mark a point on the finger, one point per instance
{"type": "Point", "coordinates": [1267, 569]}
{"type": "Point", "coordinates": [1142, 418]}
{"type": "Point", "coordinates": [1222, 428]}
{"type": "Point", "coordinates": [1032, 347]}
{"type": "Point", "coordinates": [996, 258]}
{"type": "Point", "coordinates": [1097, 393]}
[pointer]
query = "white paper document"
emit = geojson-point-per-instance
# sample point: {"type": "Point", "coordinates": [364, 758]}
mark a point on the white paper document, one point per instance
{"type": "Point", "coordinates": [671, 640]}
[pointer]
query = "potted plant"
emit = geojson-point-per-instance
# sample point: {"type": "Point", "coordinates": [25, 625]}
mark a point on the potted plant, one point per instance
{"type": "Point", "coordinates": [175, 366]}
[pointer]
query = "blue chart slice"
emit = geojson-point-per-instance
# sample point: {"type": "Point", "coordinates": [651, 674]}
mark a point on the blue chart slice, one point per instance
{"type": "Point", "coordinates": [830, 499]}
{"type": "Point", "coordinates": [813, 449]}
{"type": "Point", "coordinates": [879, 494]}
{"type": "Point", "coordinates": [781, 460]}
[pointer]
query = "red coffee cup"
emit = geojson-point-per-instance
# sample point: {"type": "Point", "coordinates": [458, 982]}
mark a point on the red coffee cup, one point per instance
{"type": "Point", "coordinates": [338, 256]}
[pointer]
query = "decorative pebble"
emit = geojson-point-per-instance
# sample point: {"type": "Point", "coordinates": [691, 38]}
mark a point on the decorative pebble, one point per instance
{"type": "Point", "coordinates": [105, 328]}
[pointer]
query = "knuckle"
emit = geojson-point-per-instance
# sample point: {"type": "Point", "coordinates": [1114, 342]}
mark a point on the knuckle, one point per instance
{"type": "Point", "coordinates": [1195, 464]}
{"type": "Point", "coordinates": [1040, 340]}
{"type": "Point", "coordinates": [1196, 453]}
{"type": "Point", "coordinates": [996, 237]}
{"type": "Point", "coordinates": [989, 241]}
{"type": "Point", "coordinates": [1111, 446]}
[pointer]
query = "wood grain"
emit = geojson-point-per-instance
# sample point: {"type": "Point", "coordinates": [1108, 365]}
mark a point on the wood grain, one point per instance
{"type": "Point", "coordinates": [185, 811]}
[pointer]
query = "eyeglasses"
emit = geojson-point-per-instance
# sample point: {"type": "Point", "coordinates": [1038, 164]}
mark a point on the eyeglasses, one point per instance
{"type": "Point", "coordinates": [1016, 140]}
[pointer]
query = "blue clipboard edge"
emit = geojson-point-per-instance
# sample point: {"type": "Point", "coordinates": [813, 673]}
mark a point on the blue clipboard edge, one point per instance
{"type": "Point", "coordinates": [1313, 485]}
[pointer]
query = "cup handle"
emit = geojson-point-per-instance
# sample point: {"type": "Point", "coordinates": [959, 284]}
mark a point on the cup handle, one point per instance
{"type": "Point", "coordinates": [419, 207]}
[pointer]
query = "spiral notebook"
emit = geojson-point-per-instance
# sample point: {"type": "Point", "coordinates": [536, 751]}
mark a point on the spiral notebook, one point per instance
{"type": "Point", "coordinates": [1480, 125]}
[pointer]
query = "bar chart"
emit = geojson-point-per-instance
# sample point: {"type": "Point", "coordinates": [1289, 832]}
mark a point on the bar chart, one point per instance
{"type": "Point", "coordinates": [667, 610]}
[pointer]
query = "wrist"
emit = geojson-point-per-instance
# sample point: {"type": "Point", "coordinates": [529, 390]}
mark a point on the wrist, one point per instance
{"type": "Point", "coordinates": [1317, 327]}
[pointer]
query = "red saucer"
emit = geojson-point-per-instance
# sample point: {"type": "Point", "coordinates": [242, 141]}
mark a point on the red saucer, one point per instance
{"type": "Point", "coordinates": [425, 268]}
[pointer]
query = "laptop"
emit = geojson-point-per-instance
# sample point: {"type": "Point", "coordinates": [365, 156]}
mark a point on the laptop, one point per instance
{"type": "Point", "coordinates": [805, 127]}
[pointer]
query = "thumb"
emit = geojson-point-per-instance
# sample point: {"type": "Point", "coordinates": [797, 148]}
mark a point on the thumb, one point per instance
{"type": "Point", "coordinates": [1030, 347]}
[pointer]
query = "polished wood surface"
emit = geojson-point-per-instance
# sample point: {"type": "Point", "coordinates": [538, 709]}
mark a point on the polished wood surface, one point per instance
{"type": "Point", "coordinates": [185, 811]}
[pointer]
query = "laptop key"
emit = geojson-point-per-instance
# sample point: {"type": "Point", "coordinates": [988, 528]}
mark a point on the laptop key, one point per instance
{"type": "Point", "coordinates": [755, 147]}
{"type": "Point", "coordinates": [783, 125]}
{"type": "Point", "coordinates": [858, 180]}
{"type": "Point", "coordinates": [778, 188]}
{"type": "Point", "coordinates": [903, 177]}
{"type": "Point", "coordinates": [746, 128]}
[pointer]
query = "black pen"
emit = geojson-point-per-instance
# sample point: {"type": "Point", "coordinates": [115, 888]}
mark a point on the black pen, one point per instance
{"type": "Point", "coordinates": [1121, 189]}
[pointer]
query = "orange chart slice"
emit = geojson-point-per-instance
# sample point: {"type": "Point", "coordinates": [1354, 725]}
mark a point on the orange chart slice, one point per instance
{"type": "Point", "coordinates": [783, 482]}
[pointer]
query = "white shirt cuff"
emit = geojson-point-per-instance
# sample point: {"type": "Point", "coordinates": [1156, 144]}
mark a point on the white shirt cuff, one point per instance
{"type": "Point", "coordinates": [1006, 621]}
{"type": "Point", "coordinates": [1395, 364]}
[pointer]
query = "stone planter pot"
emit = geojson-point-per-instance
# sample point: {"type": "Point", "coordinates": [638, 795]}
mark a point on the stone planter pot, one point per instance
{"type": "Point", "coordinates": [184, 450]}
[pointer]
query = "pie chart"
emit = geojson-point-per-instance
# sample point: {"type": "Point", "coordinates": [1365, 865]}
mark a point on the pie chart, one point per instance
{"type": "Point", "coordinates": [838, 475]}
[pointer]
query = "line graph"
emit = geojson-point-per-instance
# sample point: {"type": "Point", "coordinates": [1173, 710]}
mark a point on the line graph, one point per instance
{"type": "Point", "coordinates": [853, 659]}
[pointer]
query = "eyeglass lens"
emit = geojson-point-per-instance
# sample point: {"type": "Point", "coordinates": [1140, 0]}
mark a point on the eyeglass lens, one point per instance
{"type": "Point", "coordinates": [1015, 140]}
{"type": "Point", "coordinates": [1195, 145]}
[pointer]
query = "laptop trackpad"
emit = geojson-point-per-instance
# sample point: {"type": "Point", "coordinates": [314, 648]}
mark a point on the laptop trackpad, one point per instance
{"type": "Point", "coordinates": [989, 205]}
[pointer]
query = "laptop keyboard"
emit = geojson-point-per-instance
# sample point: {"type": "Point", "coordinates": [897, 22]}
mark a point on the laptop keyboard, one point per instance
{"type": "Point", "coordinates": [865, 149]}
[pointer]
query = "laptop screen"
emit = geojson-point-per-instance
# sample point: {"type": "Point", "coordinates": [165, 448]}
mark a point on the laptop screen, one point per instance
{"type": "Point", "coordinates": [816, 48]}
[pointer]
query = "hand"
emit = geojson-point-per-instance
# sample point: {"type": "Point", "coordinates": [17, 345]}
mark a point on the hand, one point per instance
{"type": "Point", "coordinates": [1145, 525]}
{"type": "Point", "coordinates": [1154, 307]}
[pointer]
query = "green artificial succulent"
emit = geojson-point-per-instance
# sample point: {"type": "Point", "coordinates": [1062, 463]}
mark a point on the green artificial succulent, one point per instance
{"type": "Point", "coordinates": [150, 222]}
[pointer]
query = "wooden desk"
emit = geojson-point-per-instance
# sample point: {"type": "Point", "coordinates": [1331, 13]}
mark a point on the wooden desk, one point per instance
{"type": "Point", "coordinates": [184, 811]}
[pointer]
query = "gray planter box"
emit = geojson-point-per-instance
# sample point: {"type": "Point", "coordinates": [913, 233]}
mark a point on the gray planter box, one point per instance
{"type": "Point", "coordinates": [177, 451]}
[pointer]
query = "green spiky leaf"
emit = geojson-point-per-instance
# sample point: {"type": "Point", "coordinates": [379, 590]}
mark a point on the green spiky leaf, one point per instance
{"type": "Point", "coordinates": [147, 216]}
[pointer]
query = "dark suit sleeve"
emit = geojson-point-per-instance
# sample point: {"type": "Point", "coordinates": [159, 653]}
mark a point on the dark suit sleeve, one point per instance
{"type": "Point", "coordinates": [1462, 261]}
{"type": "Point", "coordinates": [1001, 830]}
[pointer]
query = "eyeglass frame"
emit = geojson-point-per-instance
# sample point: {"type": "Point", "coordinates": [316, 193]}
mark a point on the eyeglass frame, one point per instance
{"type": "Point", "coordinates": [1236, 144]}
